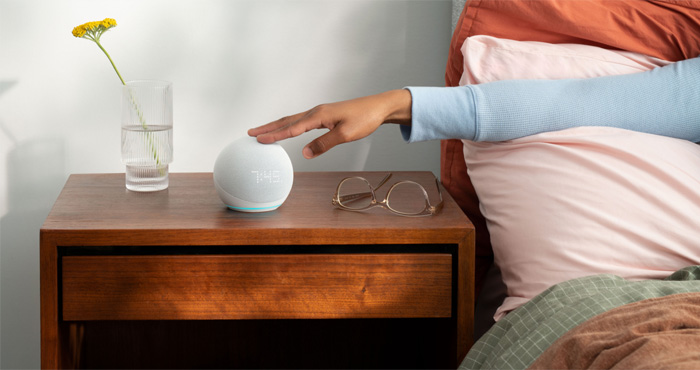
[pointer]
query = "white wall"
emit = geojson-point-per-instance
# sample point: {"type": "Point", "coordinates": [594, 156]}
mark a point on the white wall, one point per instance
{"type": "Point", "coordinates": [234, 64]}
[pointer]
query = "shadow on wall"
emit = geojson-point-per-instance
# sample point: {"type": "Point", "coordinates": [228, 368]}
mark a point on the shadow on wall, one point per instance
{"type": "Point", "coordinates": [386, 45]}
{"type": "Point", "coordinates": [389, 151]}
{"type": "Point", "coordinates": [33, 166]}
{"type": "Point", "coordinates": [346, 68]}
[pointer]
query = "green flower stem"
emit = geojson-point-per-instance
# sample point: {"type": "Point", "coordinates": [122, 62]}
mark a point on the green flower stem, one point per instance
{"type": "Point", "coordinates": [93, 31]}
{"type": "Point", "coordinates": [133, 102]}
{"type": "Point", "coordinates": [138, 110]}
{"type": "Point", "coordinates": [110, 60]}
{"type": "Point", "coordinates": [154, 150]}
{"type": "Point", "coordinates": [149, 134]}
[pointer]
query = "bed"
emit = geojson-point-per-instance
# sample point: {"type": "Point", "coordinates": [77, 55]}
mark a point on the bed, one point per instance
{"type": "Point", "coordinates": [591, 232]}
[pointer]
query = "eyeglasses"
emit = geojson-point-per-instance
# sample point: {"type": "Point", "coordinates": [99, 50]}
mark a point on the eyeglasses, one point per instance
{"type": "Point", "coordinates": [405, 198]}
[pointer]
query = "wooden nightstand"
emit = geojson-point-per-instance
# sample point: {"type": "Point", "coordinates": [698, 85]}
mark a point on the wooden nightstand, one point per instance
{"type": "Point", "coordinates": [174, 279]}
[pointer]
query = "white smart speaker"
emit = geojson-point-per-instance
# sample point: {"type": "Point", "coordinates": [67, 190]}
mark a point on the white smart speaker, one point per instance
{"type": "Point", "coordinates": [253, 177]}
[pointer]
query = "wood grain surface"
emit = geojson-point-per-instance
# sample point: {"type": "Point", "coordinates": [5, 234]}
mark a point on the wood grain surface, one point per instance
{"type": "Point", "coordinates": [97, 210]}
{"type": "Point", "coordinates": [256, 287]}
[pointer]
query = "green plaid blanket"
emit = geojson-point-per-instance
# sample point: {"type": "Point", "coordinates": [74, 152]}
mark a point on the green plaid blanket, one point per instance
{"type": "Point", "coordinates": [517, 340]}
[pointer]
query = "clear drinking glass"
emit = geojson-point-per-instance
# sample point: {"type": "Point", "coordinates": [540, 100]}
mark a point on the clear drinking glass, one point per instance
{"type": "Point", "coordinates": [147, 133]}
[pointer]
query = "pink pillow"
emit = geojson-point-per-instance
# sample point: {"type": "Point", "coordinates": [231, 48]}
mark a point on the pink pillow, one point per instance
{"type": "Point", "coordinates": [488, 58]}
{"type": "Point", "coordinates": [581, 201]}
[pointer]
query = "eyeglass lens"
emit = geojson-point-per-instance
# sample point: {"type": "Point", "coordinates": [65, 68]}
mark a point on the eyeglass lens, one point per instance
{"type": "Point", "coordinates": [407, 197]}
{"type": "Point", "coordinates": [355, 193]}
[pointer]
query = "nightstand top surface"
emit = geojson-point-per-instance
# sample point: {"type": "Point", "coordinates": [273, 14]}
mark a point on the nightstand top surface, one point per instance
{"type": "Point", "coordinates": [190, 212]}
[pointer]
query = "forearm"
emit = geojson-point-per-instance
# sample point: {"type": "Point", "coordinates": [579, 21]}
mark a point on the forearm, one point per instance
{"type": "Point", "coordinates": [663, 101]}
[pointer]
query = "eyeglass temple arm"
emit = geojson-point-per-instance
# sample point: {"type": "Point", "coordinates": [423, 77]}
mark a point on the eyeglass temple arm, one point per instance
{"type": "Point", "coordinates": [384, 180]}
{"type": "Point", "coordinates": [438, 207]}
{"type": "Point", "coordinates": [350, 197]}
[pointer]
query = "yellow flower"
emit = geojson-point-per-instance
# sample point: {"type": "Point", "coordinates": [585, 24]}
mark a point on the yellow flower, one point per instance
{"type": "Point", "coordinates": [92, 31]}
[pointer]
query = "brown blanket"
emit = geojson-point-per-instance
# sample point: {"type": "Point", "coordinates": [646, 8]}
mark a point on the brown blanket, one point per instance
{"type": "Point", "coordinates": [657, 333]}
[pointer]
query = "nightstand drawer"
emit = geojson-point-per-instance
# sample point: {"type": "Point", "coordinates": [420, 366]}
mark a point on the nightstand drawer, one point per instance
{"type": "Point", "coordinates": [211, 287]}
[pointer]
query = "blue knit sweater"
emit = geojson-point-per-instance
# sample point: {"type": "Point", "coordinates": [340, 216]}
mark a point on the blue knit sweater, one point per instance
{"type": "Point", "coordinates": [663, 101]}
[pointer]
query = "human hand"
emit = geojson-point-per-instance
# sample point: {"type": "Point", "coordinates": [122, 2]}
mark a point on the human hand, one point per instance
{"type": "Point", "coordinates": [347, 121]}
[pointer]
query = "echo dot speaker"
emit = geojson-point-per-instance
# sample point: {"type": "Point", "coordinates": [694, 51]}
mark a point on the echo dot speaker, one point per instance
{"type": "Point", "coordinates": [253, 177]}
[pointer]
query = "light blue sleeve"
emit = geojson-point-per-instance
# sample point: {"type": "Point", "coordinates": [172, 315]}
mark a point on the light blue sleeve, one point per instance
{"type": "Point", "coordinates": [663, 101]}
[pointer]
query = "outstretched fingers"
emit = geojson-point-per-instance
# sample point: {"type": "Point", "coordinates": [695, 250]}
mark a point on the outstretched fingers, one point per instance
{"type": "Point", "coordinates": [298, 124]}
{"type": "Point", "coordinates": [281, 129]}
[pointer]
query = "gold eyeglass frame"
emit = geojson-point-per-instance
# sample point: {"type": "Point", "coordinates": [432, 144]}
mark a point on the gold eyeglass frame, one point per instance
{"type": "Point", "coordinates": [428, 210]}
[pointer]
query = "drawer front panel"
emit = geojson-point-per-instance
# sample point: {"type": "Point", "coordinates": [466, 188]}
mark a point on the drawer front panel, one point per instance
{"type": "Point", "coordinates": [211, 287]}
